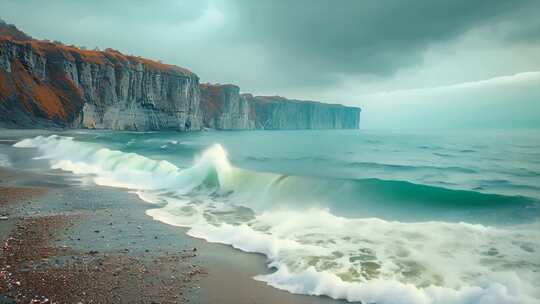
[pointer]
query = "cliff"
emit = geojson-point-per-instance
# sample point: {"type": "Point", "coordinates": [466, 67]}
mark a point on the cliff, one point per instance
{"type": "Point", "coordinates": [45, 84]}
{"type": "Point", "coordinates": [279, 113]}
{"type": "Point", "coordinates": [225, 108]}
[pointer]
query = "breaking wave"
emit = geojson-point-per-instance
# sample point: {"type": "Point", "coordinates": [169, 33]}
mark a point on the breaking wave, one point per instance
{"type": "Point", "coordinates": [296, 223]}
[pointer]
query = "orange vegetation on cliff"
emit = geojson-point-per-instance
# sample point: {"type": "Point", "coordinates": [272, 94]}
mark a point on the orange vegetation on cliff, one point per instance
{"type": "Point", "coordinates": [212, 102]}
{"type": "Point", "coordinates": [48, 101]}
{"type": "Point", "coordinates": [152, 64]}
{"type": "Point", "coordinates": [32, 90]}
{"type": "Point", "coordinates": [12, 32]}
{"type": "Point", "coordinates": [115, 56]}
{"type": "Point", "coordinates": [37, 82]}
{"type": "Point", "coordinates": [109, 56]}
{"type": "Point", "coordinates": [112, 57]}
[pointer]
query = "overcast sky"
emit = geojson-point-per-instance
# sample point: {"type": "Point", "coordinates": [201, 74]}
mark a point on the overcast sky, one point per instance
{"type": "Point", "coordinates": [447, 63]}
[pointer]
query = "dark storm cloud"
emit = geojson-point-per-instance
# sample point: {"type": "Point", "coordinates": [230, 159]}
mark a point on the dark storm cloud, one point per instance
{"type": "Point", "coordinates": [273, 45]}
{"type": "Point", "coordinates": [526, 30]}
{"type": "Point", "coordinates": [319, 38]}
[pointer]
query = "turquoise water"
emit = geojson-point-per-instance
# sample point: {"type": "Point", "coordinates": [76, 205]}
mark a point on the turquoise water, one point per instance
{"type": "Point", "coordinates": [385, 217]}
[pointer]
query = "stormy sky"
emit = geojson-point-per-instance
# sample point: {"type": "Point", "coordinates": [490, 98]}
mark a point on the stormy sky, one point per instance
{"type": "Point", "coordinates": [434, 63]}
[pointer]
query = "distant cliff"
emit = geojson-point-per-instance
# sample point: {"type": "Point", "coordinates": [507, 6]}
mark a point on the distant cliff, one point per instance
{"type": "Point", "coordinates": [279, 113]}
{"type": "Point", "coordinates": [46, 84]}
{"type": "Point", "coordinates": [224, 108]}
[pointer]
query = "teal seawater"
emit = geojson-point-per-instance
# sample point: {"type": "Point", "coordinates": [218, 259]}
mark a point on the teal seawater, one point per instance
{"type": "Point", "coordinates": [488, 170]}
{"type": "Point", "coordinates": [388, 217]}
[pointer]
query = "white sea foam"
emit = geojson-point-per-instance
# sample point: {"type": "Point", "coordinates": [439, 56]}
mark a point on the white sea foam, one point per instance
{"type": "Point", "coordinates": [127, 170]}
{"type": "Point", "coordinates": [313, 251]}
{"type": "Point", "coordinates": [378, 261]}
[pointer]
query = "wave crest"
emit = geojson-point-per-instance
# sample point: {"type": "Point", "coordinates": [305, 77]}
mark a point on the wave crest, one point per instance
{"type": "Point", "coordinates": [130, 170]}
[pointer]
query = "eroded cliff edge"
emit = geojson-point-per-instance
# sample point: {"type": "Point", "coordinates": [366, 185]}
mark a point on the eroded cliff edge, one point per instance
{"type": "Point", "coordinates": [48, 84]}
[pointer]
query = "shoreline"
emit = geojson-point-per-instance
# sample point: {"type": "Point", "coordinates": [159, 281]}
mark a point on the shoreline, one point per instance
{"type": "Point", "coordinates": [58, 251]}
{"type": "Point", "coordinates": [78, 242]}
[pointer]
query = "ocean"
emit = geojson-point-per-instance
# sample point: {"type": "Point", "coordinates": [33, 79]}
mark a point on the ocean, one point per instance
{"type": "Point", "coordinates": [371, 216]}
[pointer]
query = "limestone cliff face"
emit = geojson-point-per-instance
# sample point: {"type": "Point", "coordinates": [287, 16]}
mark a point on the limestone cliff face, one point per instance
{"type": "Point", "coordinates": [49, 84]}
{"type": "Point", "coordinates": [278, 113]}
{"type": "Point", "coordinates": [225, 108]}
{"type": "Point", "coordinates": [44, 84]}
{"type": "Point", "coordinates": [135, 95]}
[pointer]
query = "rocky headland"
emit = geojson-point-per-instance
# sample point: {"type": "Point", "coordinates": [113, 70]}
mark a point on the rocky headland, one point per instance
{"type": "Point", "coordinates": [48, 84]}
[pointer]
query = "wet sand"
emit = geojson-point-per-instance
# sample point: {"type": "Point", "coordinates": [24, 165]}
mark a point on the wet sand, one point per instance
{"type": "Point", "coordinates": [66, 240]}
{"type": "Point", "coordinates": [64, 245]}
